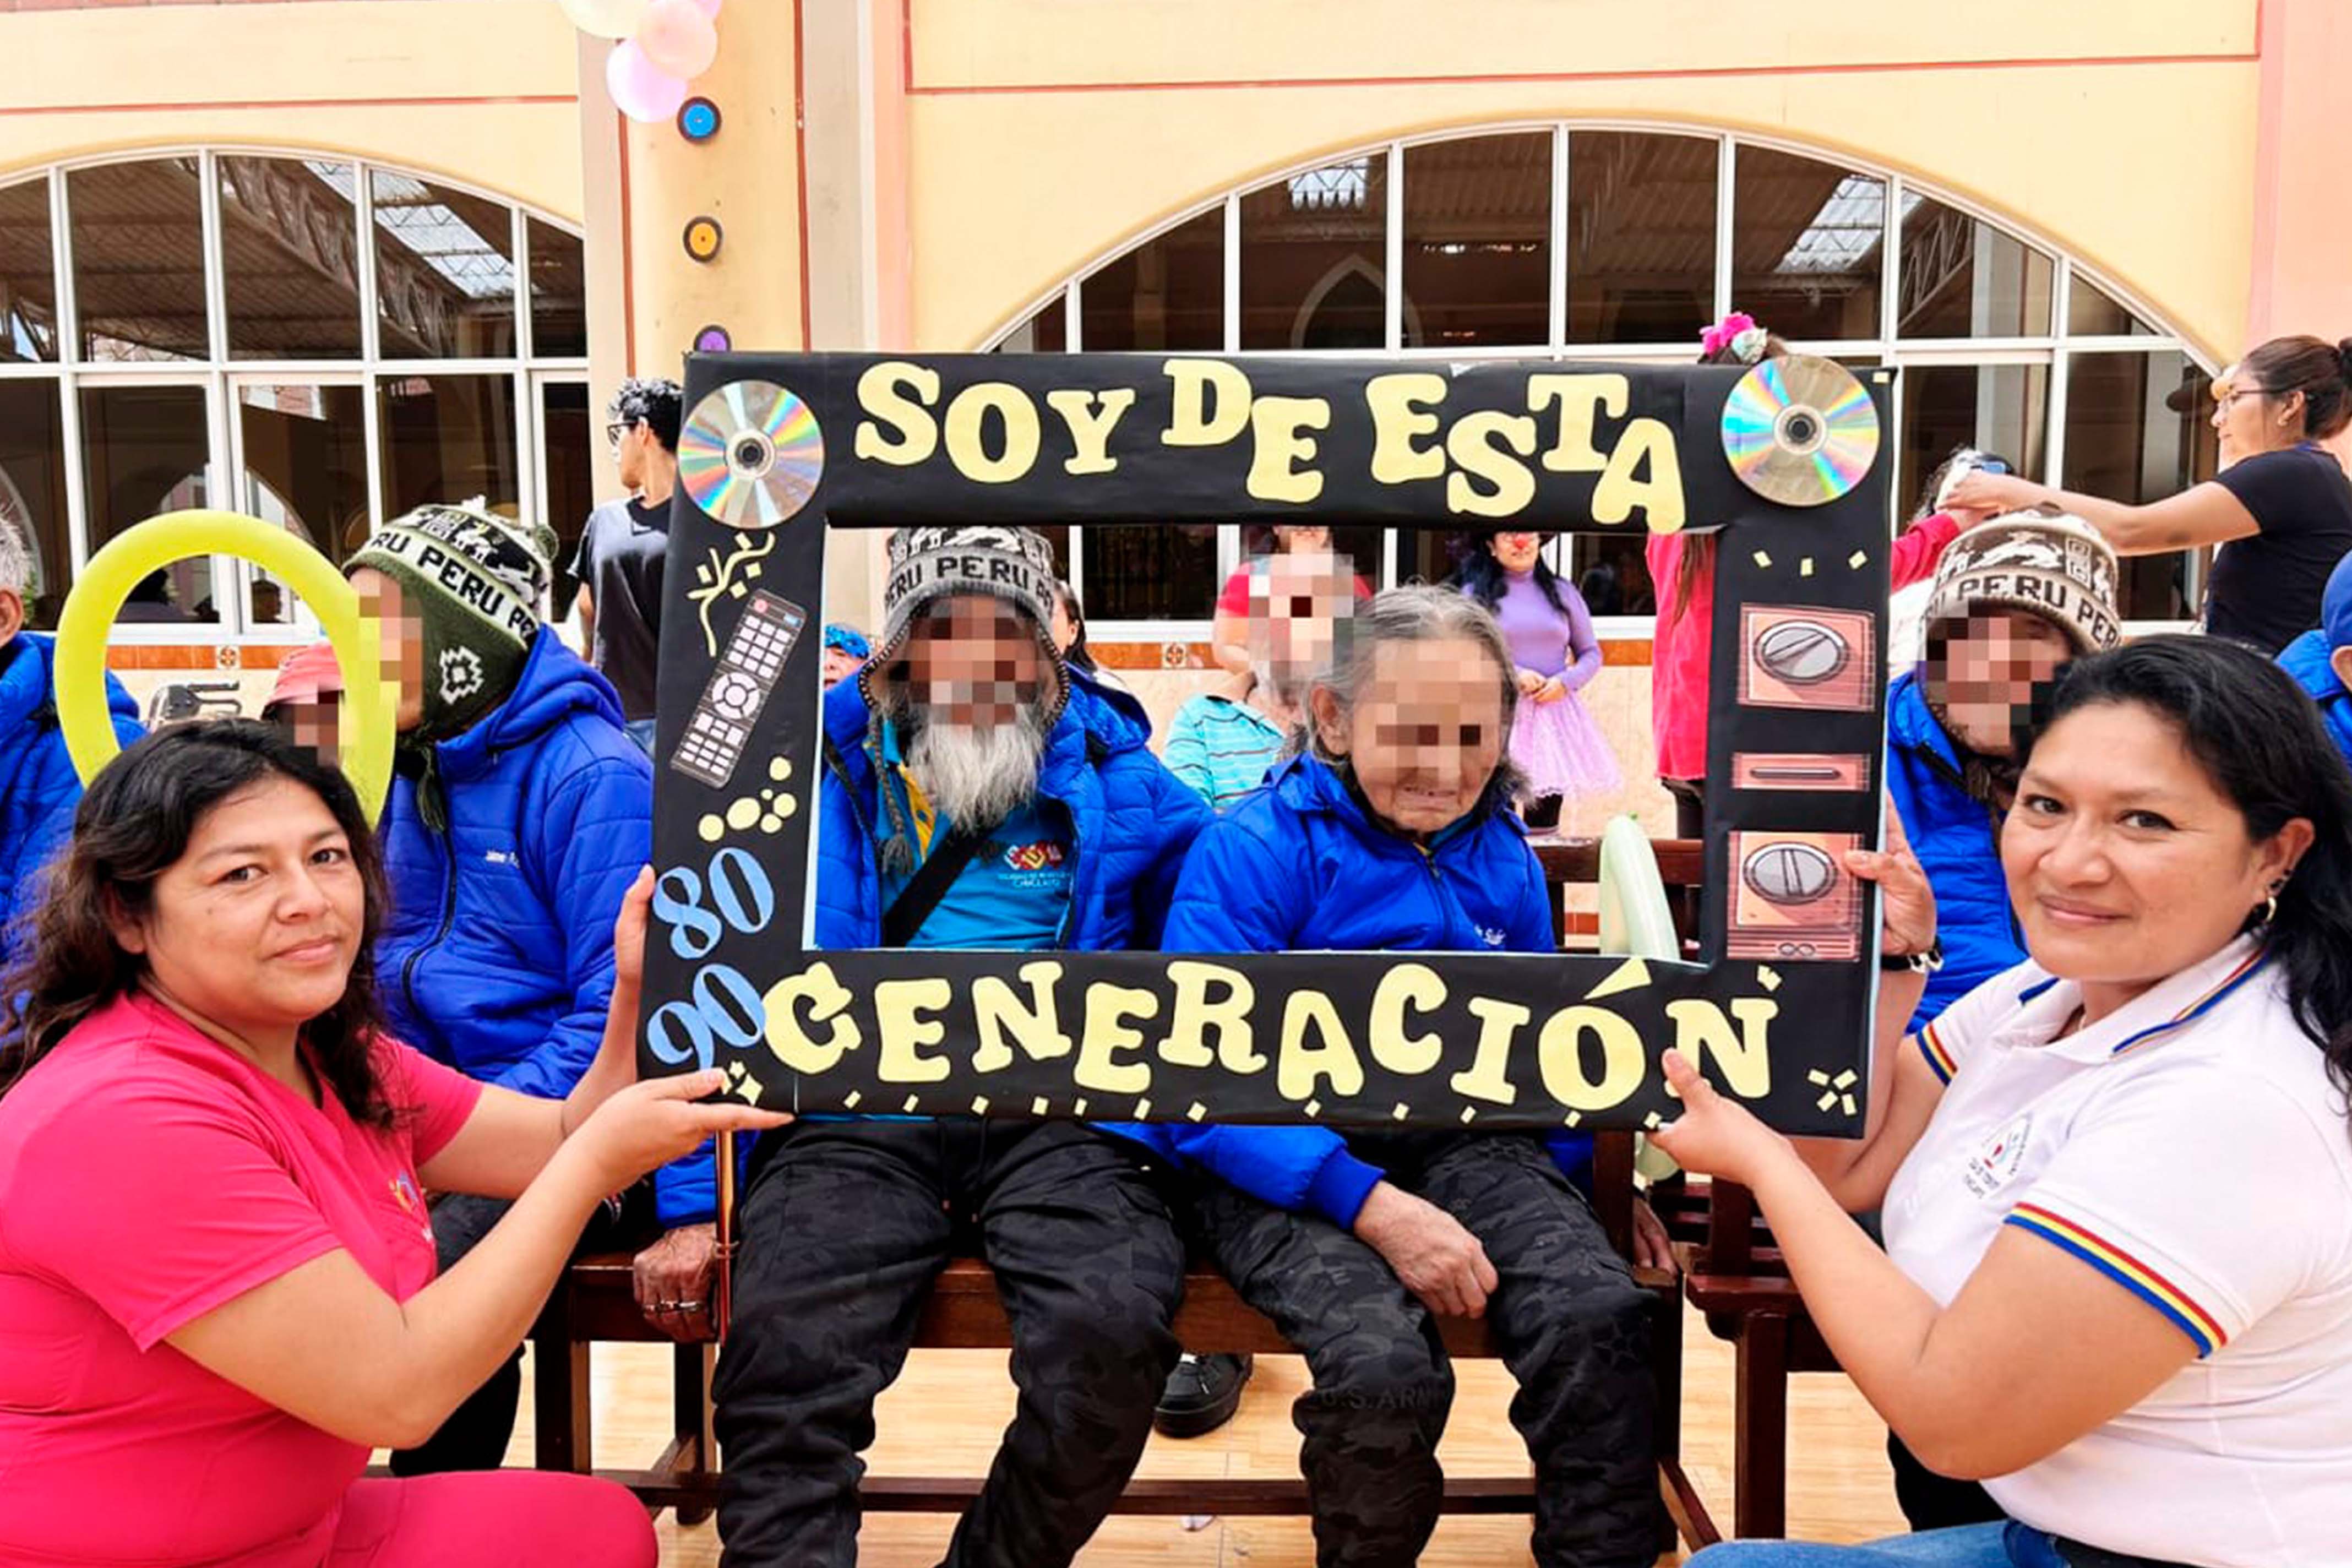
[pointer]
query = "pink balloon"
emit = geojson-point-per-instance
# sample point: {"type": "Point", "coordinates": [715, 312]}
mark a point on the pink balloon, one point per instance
{"type": "Point", "coordinates": [710, 7]}
{"type": "Point", "coordinates": [678, 38]}
{"type": "Point", "coordinates": [640, 89]}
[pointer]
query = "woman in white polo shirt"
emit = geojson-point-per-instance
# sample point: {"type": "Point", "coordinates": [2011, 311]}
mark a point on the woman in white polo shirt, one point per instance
{"type": "Point", "coordinates": [2117, 1180]}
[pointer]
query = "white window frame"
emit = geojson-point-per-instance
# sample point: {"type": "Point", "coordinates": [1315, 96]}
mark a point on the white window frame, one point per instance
{"type": "Point", "coordinates": [223, 376]}
{"type": "Point", "coordinates": [2053, 347]}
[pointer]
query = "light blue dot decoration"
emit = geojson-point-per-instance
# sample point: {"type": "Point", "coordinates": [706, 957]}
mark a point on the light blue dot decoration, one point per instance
{"type": "Point", "coordinates": [698, 119]}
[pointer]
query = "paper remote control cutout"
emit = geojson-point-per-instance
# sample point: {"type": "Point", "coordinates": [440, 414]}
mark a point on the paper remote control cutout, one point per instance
{"type": "Point", "coordinates": [747, 670]}
{"type": "Point", "coordinates": [794, 448]}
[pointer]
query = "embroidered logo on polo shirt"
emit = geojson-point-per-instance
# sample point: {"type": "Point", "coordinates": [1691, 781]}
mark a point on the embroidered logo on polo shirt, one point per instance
{"type": "Point", "coordinates": [1997, 1159]}
{"type": "Point", "coordinates": [1493, 936]}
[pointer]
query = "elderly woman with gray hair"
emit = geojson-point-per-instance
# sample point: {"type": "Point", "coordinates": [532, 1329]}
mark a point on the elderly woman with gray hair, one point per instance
{"type": "Point", "coordinates": [1400, 774]}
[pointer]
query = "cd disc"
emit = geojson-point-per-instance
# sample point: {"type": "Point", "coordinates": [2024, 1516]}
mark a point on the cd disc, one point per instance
{"type": "Point", "coordinates": [1800, 431]}
{"type": "Point", "coordinates": [752, 454]}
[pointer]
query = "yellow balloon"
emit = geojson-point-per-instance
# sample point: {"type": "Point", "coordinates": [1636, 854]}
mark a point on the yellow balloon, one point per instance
{"type": "Point", "coordinates": [370, 702]}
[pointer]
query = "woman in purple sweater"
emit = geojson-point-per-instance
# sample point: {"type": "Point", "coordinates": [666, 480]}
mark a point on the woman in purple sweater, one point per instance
{"type": "Point", "coordinates": [1554, 741]}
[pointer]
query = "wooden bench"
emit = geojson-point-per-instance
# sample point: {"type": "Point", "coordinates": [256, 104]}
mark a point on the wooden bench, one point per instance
{"type": "Point", "coordinates": [595, 1302]}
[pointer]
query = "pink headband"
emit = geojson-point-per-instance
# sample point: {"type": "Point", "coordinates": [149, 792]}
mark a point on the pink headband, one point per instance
{"type": "Point", "coordinates": [1719, 337]}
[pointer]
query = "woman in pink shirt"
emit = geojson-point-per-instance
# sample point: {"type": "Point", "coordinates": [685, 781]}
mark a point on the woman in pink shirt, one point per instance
{"type": "Point", "coordinates": [1682, 568]}
{"type": "Point", "coordinates": [216, 1276]}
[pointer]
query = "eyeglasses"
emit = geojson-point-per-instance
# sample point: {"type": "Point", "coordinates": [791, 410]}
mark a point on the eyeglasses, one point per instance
{"type": "Point", "coordinates": [614, 431]}
{"type": "Point", "coordinates": [2224, 394]}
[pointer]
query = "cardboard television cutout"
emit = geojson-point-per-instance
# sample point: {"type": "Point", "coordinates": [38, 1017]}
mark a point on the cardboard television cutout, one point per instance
{"type": "Point", "coordinates": [1778, 1011]}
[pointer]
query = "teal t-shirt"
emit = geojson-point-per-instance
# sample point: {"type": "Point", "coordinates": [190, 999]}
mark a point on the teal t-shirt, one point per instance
{"type": "Point", "coordinates": [1015, 893]}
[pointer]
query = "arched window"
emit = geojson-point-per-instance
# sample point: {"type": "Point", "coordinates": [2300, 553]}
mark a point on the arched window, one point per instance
{"type": "Point", "coordinates": [301, 337]}
{"type": "Point", "coordinates": [1579, 242]}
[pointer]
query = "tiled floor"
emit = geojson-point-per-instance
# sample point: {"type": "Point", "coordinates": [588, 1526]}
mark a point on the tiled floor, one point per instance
{"type": "Point", "coordinates": [944, 1416]}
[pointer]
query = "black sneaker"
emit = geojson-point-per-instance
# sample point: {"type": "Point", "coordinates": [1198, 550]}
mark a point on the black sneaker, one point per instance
{"type": "Point", "coordinates": [1201, 1394]}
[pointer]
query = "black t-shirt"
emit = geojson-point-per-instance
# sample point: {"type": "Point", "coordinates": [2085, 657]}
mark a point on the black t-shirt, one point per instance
{"type": "Point", "coordinates": [620, 563]}
{"type": "Point", "coordinates": [2265, 589]}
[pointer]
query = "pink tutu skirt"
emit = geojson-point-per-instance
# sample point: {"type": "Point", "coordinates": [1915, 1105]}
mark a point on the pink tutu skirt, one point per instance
{"type": "Point", "coordinates": [1561, 750]}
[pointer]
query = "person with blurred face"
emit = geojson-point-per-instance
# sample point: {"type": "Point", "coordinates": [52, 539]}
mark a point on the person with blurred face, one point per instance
{"type": "Point", "coordinates": [2014, 599]}
{"type": "Point", "coordinates": [519, 814]}
{"type": "Point", "coordinates": [1244, 595]}
{"type": "Point", "coordinates": [2280, 507]}
{"type": "Point", "coordinates": [38, 786]}
{"type": "Point", "coordinates": [1393, 831]}
{"type": "Point", "coordinates": [1223, 745]}
{"type": "Point", "coordinates": [306, 700]}
{"type": "Point", "coordinates": [974, 795]}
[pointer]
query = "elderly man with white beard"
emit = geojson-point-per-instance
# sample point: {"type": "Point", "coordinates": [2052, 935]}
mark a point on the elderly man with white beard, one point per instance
{"type": "Point", "coordinates": [976, 795]}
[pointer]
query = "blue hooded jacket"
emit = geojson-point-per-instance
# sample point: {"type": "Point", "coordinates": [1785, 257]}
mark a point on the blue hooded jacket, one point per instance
{"type": "Point", "coordinates": [1957, 839]}
{"type": "Point", "coordinates": [1297, 865]}
{"type": "Point", "coordinates": [498, 956]}
{"type": "Point", "coordinates": [38, 786]}
{"type": "Point", "coordinates": [2305, 658]}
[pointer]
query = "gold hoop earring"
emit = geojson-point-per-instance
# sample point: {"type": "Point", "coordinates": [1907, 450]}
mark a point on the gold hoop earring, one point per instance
{"type": "Point", "coordinates": [2270, 910]}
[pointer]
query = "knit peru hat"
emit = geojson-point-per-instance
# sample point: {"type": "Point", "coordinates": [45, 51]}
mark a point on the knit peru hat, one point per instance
{"type": "Point", "coordinates": [925, 564]}
{"type": "Point", "coordinates": [2051, 565]}
{"type": "Point", "coordinates": [1014, 565]}
{"type": "Point", "coordinates": [475, 580]}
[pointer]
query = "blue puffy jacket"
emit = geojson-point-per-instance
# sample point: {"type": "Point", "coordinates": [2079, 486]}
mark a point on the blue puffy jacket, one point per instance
{"type": "Point", "coordinates": [1957, 839]}
{"type": "Point", "coordinates": [1298, 866]}
{"type": "Point", "coordinates": [498, 956]}
{"type": "Point", "coordinates": [38, 786]}
{"type": "Point", "coordinates": [2305, 658]}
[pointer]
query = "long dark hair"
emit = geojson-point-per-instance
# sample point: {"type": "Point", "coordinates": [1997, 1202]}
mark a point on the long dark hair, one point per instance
{"type": "Point", "coordinates": [132, 827]}
{"type": "Point", "coordinates": [2262, 742]}
{"type": "Point", "coordinates": [1698, 559]}
{"type": "Point", "coordinates": [1077, 653]}
{"type": "Point", "coordinates": [1483, 577]}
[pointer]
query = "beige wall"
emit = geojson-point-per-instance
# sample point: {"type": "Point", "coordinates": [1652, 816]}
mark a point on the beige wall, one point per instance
{"type": "Point", "coordinates": [1000, 145]}
{"type": "Point", "coordinates": [1059, 131]}
{"type": "Point", "coordinates": [482, 91]}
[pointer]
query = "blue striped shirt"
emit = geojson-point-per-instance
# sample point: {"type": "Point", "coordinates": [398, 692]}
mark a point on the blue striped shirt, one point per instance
{"type": "Point", "coordinates": [1222, 748]}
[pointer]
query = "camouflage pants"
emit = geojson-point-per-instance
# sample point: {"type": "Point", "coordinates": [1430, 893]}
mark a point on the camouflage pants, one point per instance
{"type": "Point", "coordinates": [845, 1229]}
{"type": "Point", "coordinates": [1573, 1328]}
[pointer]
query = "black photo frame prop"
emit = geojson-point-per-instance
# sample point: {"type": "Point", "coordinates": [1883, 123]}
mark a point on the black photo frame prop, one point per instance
{"type": "Point", "coordinates": [1778, 1012]}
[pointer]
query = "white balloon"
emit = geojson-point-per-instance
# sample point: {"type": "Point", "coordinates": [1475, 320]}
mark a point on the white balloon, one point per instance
{"type": "Point", "coordinates": [605, 18]}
